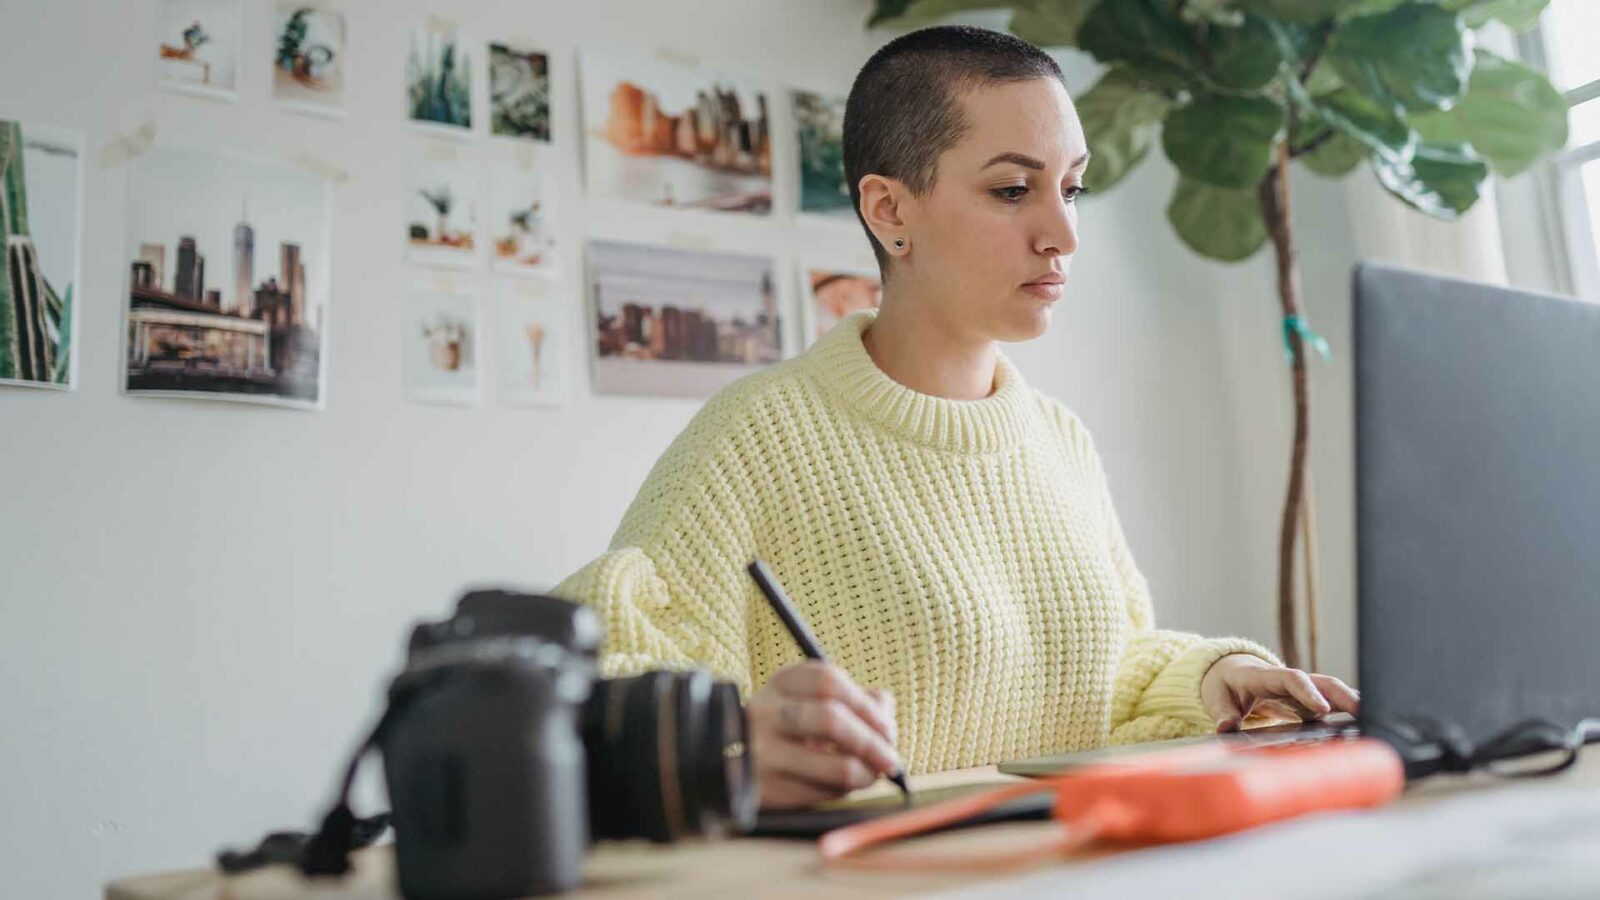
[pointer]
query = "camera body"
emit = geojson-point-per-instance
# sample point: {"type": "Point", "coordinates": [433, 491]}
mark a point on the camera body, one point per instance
{"type": "Point", "coordinates": [506, 754]}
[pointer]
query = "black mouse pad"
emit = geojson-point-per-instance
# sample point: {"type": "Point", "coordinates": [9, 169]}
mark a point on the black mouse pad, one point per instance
{"type": "Point", "coordinates": [812, 823]}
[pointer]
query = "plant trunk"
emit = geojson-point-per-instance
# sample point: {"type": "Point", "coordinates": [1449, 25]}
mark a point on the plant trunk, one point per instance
{"type": "Point", "coordinates": [1274, 198]}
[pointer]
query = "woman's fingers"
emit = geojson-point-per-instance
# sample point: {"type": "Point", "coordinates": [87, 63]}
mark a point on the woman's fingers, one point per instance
{"type": "Point", "coordinates": [1343, 697]}
{"type": "Point", "coordinates": [816, 734]}
{"type": "Point", "coordinates": [1283, 709]}
{"type": "Point", "coordinates": [817, 767]}
{"type": "Point", "coordinates": [821, 681]}
{"type": "Point", "coordinates": [1227, 712]}
{"type": "Point", "coordinates": [834, 721]}
{"type": "Point", "coordinates": [1296, 686]}
{"type": "Point", "coordinates": [885, 701]}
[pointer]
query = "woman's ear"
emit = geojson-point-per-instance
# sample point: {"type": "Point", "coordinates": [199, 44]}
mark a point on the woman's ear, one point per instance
{"type": "Point", "coordinates": [884, 204]}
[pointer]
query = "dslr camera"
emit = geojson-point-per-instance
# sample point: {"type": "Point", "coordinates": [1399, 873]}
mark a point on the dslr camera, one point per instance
{"type": "Point", "coordinates": [506, 754]}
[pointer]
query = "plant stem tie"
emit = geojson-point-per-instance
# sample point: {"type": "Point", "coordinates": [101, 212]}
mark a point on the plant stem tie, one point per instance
{"type": "Point", "coordinates": [1298, 325]}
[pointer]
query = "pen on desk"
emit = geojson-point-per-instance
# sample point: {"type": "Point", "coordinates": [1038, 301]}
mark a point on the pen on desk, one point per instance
{"type": "Point", "coordinates": [784, 607]}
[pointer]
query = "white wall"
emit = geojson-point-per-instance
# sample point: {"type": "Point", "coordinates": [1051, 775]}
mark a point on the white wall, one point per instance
{"type": "Point", "coordinates": [201, 601]}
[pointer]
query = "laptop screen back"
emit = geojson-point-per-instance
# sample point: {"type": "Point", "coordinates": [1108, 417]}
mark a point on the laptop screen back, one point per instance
{"type": "Point", "coordinates": [1478, 502]}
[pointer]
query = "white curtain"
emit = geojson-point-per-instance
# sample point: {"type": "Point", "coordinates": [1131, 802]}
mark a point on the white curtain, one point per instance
{"type": "Point", "coordinates": [1389, 231]}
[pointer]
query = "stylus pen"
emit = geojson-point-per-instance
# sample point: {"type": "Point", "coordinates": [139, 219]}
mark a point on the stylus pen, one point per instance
{"type": "Point", "coordinates": [784, 607]}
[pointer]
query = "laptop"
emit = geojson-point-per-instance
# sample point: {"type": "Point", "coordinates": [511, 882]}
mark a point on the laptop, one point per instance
{"type": "Point", "coordinates": [1477, 514]}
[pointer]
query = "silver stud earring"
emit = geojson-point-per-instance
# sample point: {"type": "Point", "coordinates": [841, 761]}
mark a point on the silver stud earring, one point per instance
{"type": "Point", "coordinates": [900, 244]}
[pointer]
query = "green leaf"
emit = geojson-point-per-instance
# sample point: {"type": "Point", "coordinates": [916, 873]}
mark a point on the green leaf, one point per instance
{"type": "Point", "coordinates": [1222, 140]}
{"type": "Point", "coordinates": [1442, 180]}
{"type": "Point", "coordinates": [1050, 23]}
{"type": "Point", "coordinates": [1221, 223]}
{"type": "Point", "coordinates": [909, 14]}
{"type": "Point", "coordinates": [1416, 55]}
{"type": "Point", "coordinates": [1373, 7]}
{"type": "Point", "coordinates": [1520, 15]}
{"type": "Point", "coordinates": [1323, 79]}
{"type": "Point", "coordinates": [1336, 155]}
{"type": "Point", "coordinates": [884, 10]}
{"type": "Point", "coordinates": [1511, 114]}
{"type": "Point", "coordinates": [1300, 10]}
{"type": "Point", "coordinates": [1141, 33]}
{"type": "Point", "coordinates": [1359, 116]}
{"type": "Point", "coordinates": [1119, 122]}
{"type": "Point", "coordinates": [1245, 58]}
{"type": "Point", "coordinates": [1221, 12]}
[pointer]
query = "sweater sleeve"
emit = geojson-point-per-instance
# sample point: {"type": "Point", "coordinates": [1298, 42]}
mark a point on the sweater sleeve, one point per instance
{"type": "Point", "coordinates": [1156, 691]}
{"type": "Point", "coordinates": [671, 588]}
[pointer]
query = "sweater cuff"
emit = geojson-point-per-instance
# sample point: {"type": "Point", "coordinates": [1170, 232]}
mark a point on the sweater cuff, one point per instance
{"type": "Point", "coordinates": [1176, 691]}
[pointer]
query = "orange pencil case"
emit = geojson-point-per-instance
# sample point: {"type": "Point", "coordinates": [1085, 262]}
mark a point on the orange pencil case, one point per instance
{"type": "Point", "coordinates": [1186, 794]}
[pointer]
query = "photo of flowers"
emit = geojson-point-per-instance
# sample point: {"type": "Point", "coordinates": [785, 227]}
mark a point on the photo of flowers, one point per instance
{"type": "Point", "coordinates": [40, 206]}
{"type": "Point", "coordinates": [819, 131]}
{"type": "Point", "coordinates": [678, 323]}
{"type": "Point", "coordinates": [439, 77]}
{"type": "Point", "coordinates": [441, 209]}
{"type": "Point", "coordinates": [668, 135]}
{"type": "Point", "coordinates": [519, 93]}
{"type": "Point", "coordinates": [250, 326]}
{"type": "Point", "coordinates": [308, 57]}
{"type": "Point", "coordinates": [440, 361]}
{"type": "Point", "coordinates": [831, 293]}
{"type": "Point", "coordinates": [530, 344]}
{"type": "Point", "coordinates": [522, 233]}
{"type": "Point", "coordinates": [198, 47]}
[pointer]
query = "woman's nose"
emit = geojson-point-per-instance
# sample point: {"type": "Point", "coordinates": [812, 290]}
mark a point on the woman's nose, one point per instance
{"type": "Point", "coordinates": [1059, 236]}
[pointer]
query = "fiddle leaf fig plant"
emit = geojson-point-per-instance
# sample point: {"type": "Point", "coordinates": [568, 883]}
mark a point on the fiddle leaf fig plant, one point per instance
{"type": "Point", "coordinates": [1235, 91]}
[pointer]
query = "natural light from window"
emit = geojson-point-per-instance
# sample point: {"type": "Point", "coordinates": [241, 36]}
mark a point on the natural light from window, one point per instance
{"type": "Point", "coordinates": [1571, 37]}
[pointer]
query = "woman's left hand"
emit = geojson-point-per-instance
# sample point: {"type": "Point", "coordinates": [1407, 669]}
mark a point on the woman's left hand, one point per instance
{"type": "Point", "coordinates": [1239, 684]}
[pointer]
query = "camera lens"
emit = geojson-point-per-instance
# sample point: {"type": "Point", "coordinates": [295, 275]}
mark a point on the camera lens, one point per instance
{"type": "Point", "coordinates": [667, 758]}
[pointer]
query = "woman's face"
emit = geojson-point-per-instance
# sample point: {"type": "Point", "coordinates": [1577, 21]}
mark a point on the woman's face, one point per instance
{"type": "Point", "coordinates": [1001, 216]}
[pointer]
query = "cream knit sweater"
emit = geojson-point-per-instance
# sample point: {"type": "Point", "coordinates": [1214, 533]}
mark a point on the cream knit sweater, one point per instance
{"type": "Point", "coordinates": [964, 555]}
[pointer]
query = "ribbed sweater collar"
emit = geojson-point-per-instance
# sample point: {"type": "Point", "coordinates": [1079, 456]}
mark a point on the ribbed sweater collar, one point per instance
{"type": "Point", "coordinates": [840, 363]}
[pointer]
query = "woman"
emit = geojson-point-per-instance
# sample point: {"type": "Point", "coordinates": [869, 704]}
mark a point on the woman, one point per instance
{"type": "Point", "coordinates": [945, 529]}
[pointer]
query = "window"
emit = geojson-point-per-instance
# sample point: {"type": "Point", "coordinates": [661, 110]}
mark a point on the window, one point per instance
{"type": "Point", "coordinates": [1566, 41]}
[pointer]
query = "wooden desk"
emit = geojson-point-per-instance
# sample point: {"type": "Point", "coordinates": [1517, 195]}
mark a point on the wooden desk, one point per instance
{"type": "Point", "coordinates": [765, 868]}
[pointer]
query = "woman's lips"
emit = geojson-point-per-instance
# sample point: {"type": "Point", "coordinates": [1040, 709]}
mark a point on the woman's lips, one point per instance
{"type": "Point", "coordinates": [1044, 290]}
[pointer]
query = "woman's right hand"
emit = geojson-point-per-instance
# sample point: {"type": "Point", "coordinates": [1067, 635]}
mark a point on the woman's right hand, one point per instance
{"type": "Point", "coordinates": [816, 735]}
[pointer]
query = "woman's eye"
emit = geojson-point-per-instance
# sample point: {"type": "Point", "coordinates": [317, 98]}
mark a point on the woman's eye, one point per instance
{"type": "Point", "coordinates": [1015, 193]}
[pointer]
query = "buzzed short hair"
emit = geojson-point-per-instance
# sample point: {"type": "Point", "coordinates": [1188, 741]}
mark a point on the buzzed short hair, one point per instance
{"type": "Point", "coordinates": [904, 108]}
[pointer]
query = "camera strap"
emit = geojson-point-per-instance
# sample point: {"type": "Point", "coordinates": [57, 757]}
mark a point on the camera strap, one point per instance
{"type": "Point", "coordinates": [327, 852]}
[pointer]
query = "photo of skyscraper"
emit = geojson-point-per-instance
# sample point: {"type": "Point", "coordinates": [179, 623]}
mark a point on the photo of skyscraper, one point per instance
{"type": "Point", "coordinates": [248, 326]}
{"type": "Point", "coordinates": [668, 135]}
{"type": "Point", "coordinates": [678, 323]}
{"type": "Point", "coordinates": [40, 182]}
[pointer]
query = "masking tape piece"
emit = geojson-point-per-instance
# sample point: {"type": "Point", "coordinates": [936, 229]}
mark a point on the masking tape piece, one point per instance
{"type": "Point", "coordinates": [678, 57]}
{"type": "Point", "coordinates": [321, 167]}
{"type": "Point", "coordinates": [441, 23]}
{"type": "Point", "coordinates": [688, 241]}
{"type": "Point", "coordinates": [441, 152]}
{"type": "Point", "coordinates": [125, 147]}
